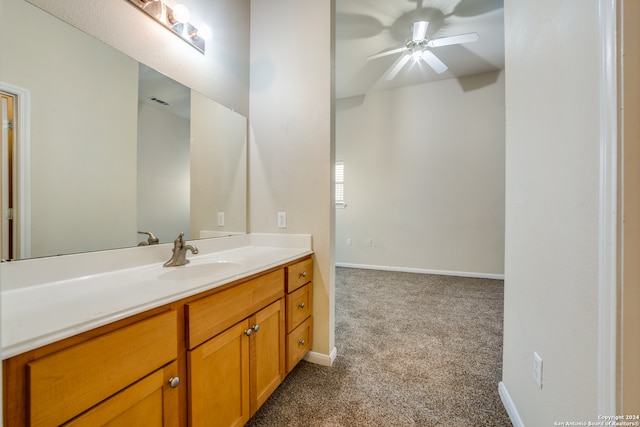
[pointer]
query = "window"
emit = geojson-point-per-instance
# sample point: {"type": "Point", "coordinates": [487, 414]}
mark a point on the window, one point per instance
{"type": "Point", "coordinates": [340, 185]}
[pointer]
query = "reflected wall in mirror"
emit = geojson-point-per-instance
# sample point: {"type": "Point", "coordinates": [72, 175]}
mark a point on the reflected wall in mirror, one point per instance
{"type": "Point", "coordinates": [83, 180]}
{"type": "Point", "coordinates": [164, 111]}
{"type": "Point", "coordinates": [218, 169]}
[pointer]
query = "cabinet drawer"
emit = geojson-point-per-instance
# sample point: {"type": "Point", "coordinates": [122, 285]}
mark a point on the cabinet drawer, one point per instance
{"type": "Point", "coordinates": [299, 306]}
{"type": "Point", "coordinates": [211, 315]}
{"type": "Point", "coordinates": [299, 343]}
{"type": "Point", "coordinates": [299, 274]}
{"type": "Point", "coordinates": [70, 381]}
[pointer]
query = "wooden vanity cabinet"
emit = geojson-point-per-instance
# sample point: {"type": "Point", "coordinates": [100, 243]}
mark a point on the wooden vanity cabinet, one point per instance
{"type": "Point", "coordinates": [229, 348]}
{"type": "Point", "coordinates": [299, 307]}
{"type": "Point", "coordinates": [236, 369]}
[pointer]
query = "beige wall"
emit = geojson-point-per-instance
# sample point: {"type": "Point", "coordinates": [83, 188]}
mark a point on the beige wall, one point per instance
{"type": "Point", "coordinates": [424, 170]}
{"type": "Point", "coordinates": [552, 208]}
{"type": "Point", "coordinates": [291, 140]}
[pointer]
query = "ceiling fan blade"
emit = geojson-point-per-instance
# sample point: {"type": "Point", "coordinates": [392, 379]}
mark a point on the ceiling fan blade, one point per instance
{"type": "Point", "coordinates": [446, 41]}
{"type": "Point", "coordinates": [433, 61]}
{"type": "Point", "coordinates": [469, 8]}
{"type": "Point", "coordinates": [419, 30]}
{"type": "Point", "coordinates": [388, 52]}
{"type": "Point", "coordinates": [397, 67]}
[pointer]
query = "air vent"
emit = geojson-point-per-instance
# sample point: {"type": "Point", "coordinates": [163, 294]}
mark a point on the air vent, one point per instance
{"type": "Point", "coordinates": [159, 101]}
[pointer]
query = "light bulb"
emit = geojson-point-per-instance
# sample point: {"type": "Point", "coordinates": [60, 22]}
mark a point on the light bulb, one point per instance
{"type": "Point", "coordinates": [416, 55]}
{"type": "Point", "coordinates": [204, 32]}
{"type": "Point", "coordinates": [181, 13]}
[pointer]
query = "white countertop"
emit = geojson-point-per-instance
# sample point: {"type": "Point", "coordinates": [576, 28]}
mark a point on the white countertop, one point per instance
{"type": "Point", "coordinates": [47, 300]}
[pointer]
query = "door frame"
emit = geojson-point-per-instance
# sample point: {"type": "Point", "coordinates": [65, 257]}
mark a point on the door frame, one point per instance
{"type": "Point", "coordinates": [22, 137]}
{"type": "Point", "coordinates": [607, 280]}
{"type": "Point", "coordinates": [628, 209]}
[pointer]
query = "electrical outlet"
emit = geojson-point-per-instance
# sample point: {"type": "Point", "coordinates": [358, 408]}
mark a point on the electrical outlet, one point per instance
{"type": "Point", "coordinates": [348, 242]}
{"type": "Point", "coordinates": [220, 219]}
{"type": "Point", "coordinates": [370, 242]}
{"type": "Point", "coordinates": [537, 369]}
{"type": "Point", "coordinates": [282, 220]}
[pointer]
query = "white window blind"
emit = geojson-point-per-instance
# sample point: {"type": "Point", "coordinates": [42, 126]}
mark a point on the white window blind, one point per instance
{"type": "Point", "coordinates": [340, 184]}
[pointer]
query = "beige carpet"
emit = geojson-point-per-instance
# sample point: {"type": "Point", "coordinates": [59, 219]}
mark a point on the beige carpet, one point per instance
{"type": "Point", "coordinates": [413, 350]}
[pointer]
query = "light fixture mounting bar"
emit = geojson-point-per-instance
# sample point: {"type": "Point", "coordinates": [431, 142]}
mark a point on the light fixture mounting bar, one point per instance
{"type": "Point", "coordinates": [162, 13]}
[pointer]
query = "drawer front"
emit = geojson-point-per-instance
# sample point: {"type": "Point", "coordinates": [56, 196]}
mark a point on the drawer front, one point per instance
{"type": "Point", "coordinates": [299, 343]}
{"type": "Point", "coordinates": [209, 316]}
{"type": "Point", "coordinates": [70, 381]}
{"type": "Point", "coordinates": [299, 274]}
{"type": "Point", "coordinates": [299, 306]}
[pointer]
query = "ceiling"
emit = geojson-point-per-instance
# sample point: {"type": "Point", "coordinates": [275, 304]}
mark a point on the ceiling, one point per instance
{"type": "Point", "coordinates": [368, 27]}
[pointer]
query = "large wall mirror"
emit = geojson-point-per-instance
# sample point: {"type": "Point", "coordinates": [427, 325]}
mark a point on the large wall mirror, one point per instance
{"type": "Point", "coordinates": [112, 146]}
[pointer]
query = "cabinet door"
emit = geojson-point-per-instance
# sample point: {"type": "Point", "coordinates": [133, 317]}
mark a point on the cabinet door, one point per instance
{"type": "Point", "coordinates": [267, 352]}
{"type": "Point", "coordinates": [219, 379]}
{"type": "Point", "coordinates": [149, 402]}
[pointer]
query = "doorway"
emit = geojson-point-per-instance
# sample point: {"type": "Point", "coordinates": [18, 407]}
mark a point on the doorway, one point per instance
{"type": "Point", "coordinates": [15, 182]}
{"type": "Point", "coordinates": [7, 177]}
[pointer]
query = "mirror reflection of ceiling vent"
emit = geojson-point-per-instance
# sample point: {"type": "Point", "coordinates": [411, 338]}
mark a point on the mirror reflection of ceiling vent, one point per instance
{"type": "Point", "coordinates": [159, 101]}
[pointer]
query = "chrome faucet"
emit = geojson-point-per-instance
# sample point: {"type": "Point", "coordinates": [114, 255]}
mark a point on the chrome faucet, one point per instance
{"type": "Point", "coordinates": [151, 240]}
{"type": "Point", "coordinates": [179, 256]}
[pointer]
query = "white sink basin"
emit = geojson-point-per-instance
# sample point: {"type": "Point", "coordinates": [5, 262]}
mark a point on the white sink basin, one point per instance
{"type": "Point", "coordinates": [200, 269]}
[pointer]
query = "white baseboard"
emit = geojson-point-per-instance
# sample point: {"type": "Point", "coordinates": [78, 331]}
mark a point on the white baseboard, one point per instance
{"type": "Point", "coordinates": [422, 271]}
{"type": "Point", "coordinates": [322, 359]}
{"type": "Point", "coordinates": [509, 406]}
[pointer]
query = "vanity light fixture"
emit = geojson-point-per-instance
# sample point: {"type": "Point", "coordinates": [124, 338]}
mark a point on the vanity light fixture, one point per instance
{"type": "Point", "coordinates": [176, 20]}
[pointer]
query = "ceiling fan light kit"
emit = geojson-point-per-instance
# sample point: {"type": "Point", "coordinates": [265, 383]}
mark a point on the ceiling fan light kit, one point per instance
{"type": "Point", "coordinates": [419, 49]}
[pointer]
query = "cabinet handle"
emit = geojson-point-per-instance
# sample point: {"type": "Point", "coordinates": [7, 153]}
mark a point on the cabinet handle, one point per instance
{"type": "Point", "coordinates": [301, 342]}
{"type": "Point", "coordinates": [248, 332]}
{"type": "Point", "coordinates": [174, 382]}
{"type": "Point", "coordinates": [303, 274]}
{"type": "Point", "coordinates": [301, 305]}
{"type": "Point", "coordinates": [256, 328]}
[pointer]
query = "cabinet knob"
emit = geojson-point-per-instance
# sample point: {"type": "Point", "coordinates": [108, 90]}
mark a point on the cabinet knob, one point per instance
{"type": "Point", "coordinates": [301, 342]}
{"type": "Point", "coordinates": [303, 274]}
{"type": "Point", "coordinates": [256, 328]}
{"type": "Point", "coordinates": [174, 382]}
{"type": "Point", "coordinates": [301, 305]}
{"type": "Point", "coordinates": [248, 332]}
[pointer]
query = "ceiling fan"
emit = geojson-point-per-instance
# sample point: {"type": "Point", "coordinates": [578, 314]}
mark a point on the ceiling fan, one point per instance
{"type": "Point", "coordinates": [418, 48]}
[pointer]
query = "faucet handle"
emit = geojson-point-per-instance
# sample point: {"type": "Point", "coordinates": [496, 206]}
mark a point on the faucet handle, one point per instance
{"type": "Point", "coordinates": [151, 240]}
{"type": "Point", "coordinates": [179, 252]}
